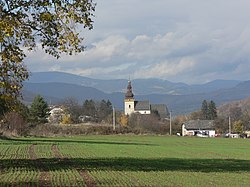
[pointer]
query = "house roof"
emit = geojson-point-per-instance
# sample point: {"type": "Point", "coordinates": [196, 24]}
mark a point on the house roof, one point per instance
{"type": "Point", "coordinates": [162, 110]}
{"type": "Point", "coordinates": [199, 125]}
{"type": "Point", "coordinates": [142, 105]}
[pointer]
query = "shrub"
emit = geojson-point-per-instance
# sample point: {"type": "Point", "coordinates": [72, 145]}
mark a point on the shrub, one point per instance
{"type": "Point", "coordinates": [13, 124]}
{"type": "Point", "coordinates": [66, 119]}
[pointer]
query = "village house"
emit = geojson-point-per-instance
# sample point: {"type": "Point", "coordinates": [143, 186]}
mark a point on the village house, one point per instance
{"type": "Point", "coordinates": [201, 128]}
{"type": "Point", "coordinates": [142, 107]}
{"type": "Point", "coordinates": [56, 114]}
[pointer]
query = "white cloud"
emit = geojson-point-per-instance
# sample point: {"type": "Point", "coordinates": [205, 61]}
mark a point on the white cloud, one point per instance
{"type": "Point", "coordinates": [166, 69]}
{"type": "Point", "coordinates": [105, 49]}
{"type": "Point", "coordinates": [182, 40]}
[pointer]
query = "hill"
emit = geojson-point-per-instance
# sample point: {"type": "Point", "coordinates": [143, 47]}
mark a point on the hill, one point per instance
{"type": "Point", "coordinates": [179, 104]}
{"type": "Point", "coordinates": [140, 86]}
{"type": "Point", "coordinates": [243, 105]}
{"type": "Point", "coordinates": [57, 92]}
{"type": "Point", "coordinates": [181, 98]}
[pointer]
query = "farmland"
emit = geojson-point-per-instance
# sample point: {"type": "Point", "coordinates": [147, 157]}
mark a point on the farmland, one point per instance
{"type": "Point", "coordinates": [124, 161]}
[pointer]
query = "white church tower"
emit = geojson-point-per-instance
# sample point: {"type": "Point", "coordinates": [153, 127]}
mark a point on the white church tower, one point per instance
{"type": "Point", "coordinates": [129, 101]}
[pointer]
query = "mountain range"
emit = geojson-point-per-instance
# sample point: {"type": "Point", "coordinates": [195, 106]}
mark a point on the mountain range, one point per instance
{"type": "Point", "coordinates": [181, 98]}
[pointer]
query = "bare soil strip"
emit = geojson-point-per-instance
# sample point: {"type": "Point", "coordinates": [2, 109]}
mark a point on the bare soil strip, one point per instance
{"type": "Point", "coordinates": [44, 180]}
{"type": "Point", "coordinates": [90, 182]}
{"type": "Point", "coordinates": [32, 152]}
{"type": "Point", "coordinates": [87, 178]}
{"type": "Point", "coordinates": [55, 151]}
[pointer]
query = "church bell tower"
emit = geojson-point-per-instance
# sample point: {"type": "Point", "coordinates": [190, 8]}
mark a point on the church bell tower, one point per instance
{"type": "Point", "coordinates": [129, 101]}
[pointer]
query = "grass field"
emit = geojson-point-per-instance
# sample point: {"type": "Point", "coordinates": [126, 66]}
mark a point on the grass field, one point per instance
{"type": "Point", "coordinates": [124, 161]}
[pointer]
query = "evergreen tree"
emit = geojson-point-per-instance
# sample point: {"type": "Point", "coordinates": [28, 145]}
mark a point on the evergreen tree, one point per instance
{"type": "Point", "coordinates": [39, 110]}
{"type": "Point", "coordinates": [204, 110]}
{"type": "Point", "coordinates": [89, 108]}
{"type": "Point", "coordinates": [104, 110]}
{"type": "Point", "coordinates": [212, 111]}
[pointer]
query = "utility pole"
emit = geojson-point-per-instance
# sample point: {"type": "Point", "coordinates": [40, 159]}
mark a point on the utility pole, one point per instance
{"type": "Point", "coordinates": [229, 125]}
{"type": "Point", "coordinates": [113, 118]}
{"type": "Point", "coordinates": [170, 123]}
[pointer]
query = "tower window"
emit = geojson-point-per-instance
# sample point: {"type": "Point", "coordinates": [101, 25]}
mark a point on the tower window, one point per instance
{"type": "Point", "coordinates": [129, 106]}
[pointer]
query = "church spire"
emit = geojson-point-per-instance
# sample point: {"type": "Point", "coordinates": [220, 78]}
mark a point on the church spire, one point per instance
{"type": "Point", "coordinates": [129, 94]}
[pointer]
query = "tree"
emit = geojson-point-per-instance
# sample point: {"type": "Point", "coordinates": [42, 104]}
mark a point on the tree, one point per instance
{"type": "Point", "coordinates": [104, 110]}
{"type": "Point", "coordinates": [24, 23]}
{"type": "Point", "coordinates": [73, 109]}
{"type": "Point", "coordinates": [3, 107]}
{"type": "Point", "coordinates": [177, 123]}
{"type": "Point", "coordinates": [23, 110]}
{"type": "Point", "coordinates": [235, 113]}
{"type": "Point", "coordinates": [212, 111]}
{"type": "Point", "coordinates": [238, 127]}
{"type": "Point", "coordinates": [89, 108]}
{"type": "Point", "coordinates": [208, 110]}
{"type": "Point", "coordinates": [124, 120]}
{"type": "Point", "coordinates": [14, 123]}
{"type": "Point", "coordinates": [195, 115]}
{"type": "Point", "coordinates": [66, 119]}
{"type": "Point", "coordinates": [39, 110]}
{"type": "Point", "coordinates": [204, 110]}
{"type": "Point", "coordinates": [221, 124]}
{"type": "Point", "coordinates": [246, 119]}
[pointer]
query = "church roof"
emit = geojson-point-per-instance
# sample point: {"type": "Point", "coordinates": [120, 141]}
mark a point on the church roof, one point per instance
{"type": "Point", "coordinates": [129, 94]}
{"type": "Point", "coordinates": [142, 105]}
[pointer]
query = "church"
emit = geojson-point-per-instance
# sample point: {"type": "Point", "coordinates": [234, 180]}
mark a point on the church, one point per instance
{"type": "Point", "coordinates": [142, 107]}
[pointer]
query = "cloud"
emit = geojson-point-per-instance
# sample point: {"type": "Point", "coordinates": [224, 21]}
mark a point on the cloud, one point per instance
{"type": "Point", "coordinates": [183, 40]}
{"type": "Point", "coordinates": [166, 69]}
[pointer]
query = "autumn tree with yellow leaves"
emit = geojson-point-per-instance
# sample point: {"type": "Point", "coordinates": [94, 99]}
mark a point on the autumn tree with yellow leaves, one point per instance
{"type": "Point", "coordinates": [55, 24]}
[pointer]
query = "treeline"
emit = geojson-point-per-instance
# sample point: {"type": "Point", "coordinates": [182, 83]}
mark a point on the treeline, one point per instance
{"type": "Point", "coordinates": [37, 119]}
{"type": "Point", "coordinates": [19, 119]}
{"type": "Point", "coordinates": [89, 111]}
{"type": "Point", "coordinates": [239, 113]}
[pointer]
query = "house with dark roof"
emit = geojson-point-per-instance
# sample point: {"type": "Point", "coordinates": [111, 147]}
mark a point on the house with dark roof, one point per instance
{"type": "Point", "coordinates": [142, 107]}
{"type": "Point", "coordinates": [201, 128]}
{"type": "Point", "coordinates": [161, 109]}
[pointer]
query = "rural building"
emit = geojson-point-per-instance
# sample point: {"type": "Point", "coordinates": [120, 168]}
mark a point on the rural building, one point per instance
{"type": "Point", "coordinates": [142, 107]}
{"type": "Point", "coordinates": [202, 128]}
{"type": "Point", "coordinates": [247, 134]}
{"type": "Point", "coordinates": [56, 114]}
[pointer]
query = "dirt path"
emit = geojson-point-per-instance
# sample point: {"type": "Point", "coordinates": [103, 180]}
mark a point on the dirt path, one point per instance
{"type": "Point", "coordinates": [32, 152]}
{"type": "Point", "coordinates": [90, 182]}
{"type": "Point", "coordinates": [44, 180]}
{"type": "Point", "coordinates": [56, 151]}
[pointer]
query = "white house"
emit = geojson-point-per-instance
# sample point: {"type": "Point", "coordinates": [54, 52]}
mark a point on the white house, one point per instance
{"type": "Point", "coordinates": [56, 115]}
{"type": "Point", "coordinates": [201, 128]}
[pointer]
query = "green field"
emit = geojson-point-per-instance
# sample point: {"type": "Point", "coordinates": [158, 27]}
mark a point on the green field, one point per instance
{"type": "Point", "coordinates": [124, 161]}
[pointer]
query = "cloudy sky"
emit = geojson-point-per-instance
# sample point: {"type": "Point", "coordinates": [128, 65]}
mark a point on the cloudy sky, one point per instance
{"type": "Point", "coordinates": [191, 41]}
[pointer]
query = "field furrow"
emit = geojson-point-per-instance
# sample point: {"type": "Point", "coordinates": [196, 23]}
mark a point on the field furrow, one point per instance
{"type": "Point", "coordinates": [94, 161]}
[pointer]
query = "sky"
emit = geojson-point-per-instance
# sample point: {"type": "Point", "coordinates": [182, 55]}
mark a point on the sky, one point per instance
{"type": "Point", "coordinates": [190, 41]}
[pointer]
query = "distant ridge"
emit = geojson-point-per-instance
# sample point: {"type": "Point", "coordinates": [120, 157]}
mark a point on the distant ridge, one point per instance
{"type": "Point", "coordinates": [140, 86]}
{"type": "Point", "coordinates": [181, 98]}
